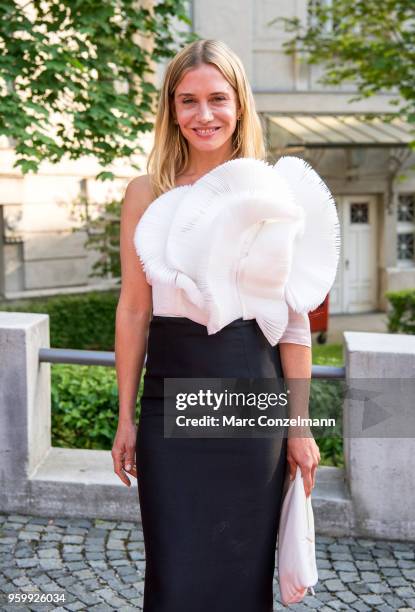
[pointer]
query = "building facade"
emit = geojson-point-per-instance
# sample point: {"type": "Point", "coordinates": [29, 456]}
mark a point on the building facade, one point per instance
{"type": "Point", "coordinates": [367, 165]}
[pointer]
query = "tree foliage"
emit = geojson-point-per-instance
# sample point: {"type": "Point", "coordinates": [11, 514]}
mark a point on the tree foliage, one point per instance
{"type": "Point", "coordinates": [76, 75]}
{"type": "Point", "coordinates": [367, 42]}
{"type": "Point", "coordinates": [103, 234]}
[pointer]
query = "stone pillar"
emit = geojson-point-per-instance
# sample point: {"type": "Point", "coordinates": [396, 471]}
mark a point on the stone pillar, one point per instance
{"type": "Point", "coordinates": [2, 258]}
{"type": "Point", "coordinates": [379, 467]}
{"type": "Point", "coordinates": [25, 403]}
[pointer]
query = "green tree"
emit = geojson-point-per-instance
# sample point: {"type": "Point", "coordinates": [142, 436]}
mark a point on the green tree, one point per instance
{"type": "Point", "coordinates": [103, 234]}
{"type": "Point", "coordinates": [76, 76]}
{"type": "Point", "coordinates": [367, 42]}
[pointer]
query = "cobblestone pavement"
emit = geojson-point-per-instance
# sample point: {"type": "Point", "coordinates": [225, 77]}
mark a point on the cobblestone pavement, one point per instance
{"type": "Point", "coordinates": [99, 565]}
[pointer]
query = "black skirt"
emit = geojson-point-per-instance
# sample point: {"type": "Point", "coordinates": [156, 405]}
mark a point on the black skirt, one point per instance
{"type": "Point", "coordinates": [210, 507]}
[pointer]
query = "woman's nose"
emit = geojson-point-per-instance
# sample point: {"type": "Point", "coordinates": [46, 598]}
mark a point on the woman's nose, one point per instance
{"type": "Point", "coordinates": [205, 113]}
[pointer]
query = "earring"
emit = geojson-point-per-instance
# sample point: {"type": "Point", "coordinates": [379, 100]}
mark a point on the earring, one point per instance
{"type": "Point", "coordinates": [238, 140]}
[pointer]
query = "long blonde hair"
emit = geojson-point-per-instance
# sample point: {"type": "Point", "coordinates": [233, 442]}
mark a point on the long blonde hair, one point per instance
{"type": "Point", "coordinates": [170, 153]}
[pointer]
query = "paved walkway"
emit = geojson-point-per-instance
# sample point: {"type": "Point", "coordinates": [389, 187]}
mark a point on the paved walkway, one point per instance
{"type": "Point", "coordinates": [367, 322]}
{"type": "Point", "coordinates": [99, 566]}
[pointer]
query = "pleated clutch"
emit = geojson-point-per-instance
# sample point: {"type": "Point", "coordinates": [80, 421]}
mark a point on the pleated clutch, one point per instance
{"type": "Point", "coordinates": [297, 567]}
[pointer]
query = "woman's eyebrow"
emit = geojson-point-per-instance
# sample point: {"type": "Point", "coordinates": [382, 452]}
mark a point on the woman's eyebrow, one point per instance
{"type": "Point", "coordinates": [214, 93]}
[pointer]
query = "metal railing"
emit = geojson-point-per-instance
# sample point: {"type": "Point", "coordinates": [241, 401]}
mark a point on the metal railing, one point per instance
{"type": "Point", "coordinates": [107, 358]}
{"type": "Point", "coordinates": [77, 356]}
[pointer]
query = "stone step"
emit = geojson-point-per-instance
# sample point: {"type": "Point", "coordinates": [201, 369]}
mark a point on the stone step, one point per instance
{"type": "Point", "coordinates": [332, 505]}
{"type": "Point", "coordinates": [82, 483]}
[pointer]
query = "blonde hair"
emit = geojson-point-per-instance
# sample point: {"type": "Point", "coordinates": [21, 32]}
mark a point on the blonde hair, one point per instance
{"type": "Point", "coordinates": [170, 153]}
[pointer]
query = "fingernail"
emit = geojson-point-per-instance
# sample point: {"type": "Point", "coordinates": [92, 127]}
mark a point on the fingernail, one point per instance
{"type": "Point", "coordinates": [128, 466]}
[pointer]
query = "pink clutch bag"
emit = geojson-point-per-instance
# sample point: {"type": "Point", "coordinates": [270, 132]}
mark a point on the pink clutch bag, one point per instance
{"type": "Point", "coordinates": [297, 568]}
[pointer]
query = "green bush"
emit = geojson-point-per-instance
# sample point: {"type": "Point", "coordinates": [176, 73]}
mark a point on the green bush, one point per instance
{"type": "Point", "coordinates": [85, 406]}
{"type": "Point", "coordinates": [85, 409]}
{"type": "Point", "coordinates": [401, 319]}
{"type": "Point", "coordinates": [85, 398]}
{"type": "Point", "coordinates": [326, 400]}
{"type": "Point", "coordinates": [78, 321]}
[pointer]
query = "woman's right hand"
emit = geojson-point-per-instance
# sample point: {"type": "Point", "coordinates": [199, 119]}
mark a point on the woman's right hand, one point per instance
{"type": "Point", "coordinates": [123, 451]}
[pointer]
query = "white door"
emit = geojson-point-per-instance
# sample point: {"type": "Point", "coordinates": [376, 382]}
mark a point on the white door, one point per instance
{"type": "Point", "coordinates": [355, 286]}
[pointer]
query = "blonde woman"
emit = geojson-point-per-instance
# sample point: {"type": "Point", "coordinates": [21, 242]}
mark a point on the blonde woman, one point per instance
{"type": "Point", "coordinates": [209, 506]}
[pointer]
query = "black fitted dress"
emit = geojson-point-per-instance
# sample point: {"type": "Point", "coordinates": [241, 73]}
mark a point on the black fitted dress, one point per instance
{"type": "Point", "coordinates": [209, 507]}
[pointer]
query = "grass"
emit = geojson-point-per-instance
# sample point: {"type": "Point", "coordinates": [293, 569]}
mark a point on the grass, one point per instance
{"type": "Point", "coordinates": [328, 354]}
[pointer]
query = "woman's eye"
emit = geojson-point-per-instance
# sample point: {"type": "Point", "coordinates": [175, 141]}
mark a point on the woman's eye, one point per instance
{"type": "Point", "coordinates": [216, 99]}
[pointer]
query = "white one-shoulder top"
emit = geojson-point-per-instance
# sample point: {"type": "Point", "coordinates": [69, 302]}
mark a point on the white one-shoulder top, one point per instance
{"type": "Point", "coordinates": [247, 240]}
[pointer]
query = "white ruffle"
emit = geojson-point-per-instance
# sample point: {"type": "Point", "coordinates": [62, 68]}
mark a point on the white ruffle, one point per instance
{"type": "Point", "coordinates": [317, 250]}
{"type": "Point", "coordinates": [243, 242]}
{"type": "Point", "coordinates": [150, 238]}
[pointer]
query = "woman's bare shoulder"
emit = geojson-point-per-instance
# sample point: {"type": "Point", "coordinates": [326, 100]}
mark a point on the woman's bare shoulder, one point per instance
{"type": "Point", "coordinates": [139, 194]}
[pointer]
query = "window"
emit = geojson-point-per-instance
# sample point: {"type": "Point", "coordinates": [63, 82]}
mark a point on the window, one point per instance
{"type": "Point", "coordinates": [406, 229]}
{"type": "Point", "coordinates": [321, 13]}
{"type": "Point", "coordinates": [359, 212]}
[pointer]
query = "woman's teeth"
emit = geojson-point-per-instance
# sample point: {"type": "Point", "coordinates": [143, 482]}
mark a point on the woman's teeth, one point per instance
{"type": "Point", "coordinates": [206, 132]}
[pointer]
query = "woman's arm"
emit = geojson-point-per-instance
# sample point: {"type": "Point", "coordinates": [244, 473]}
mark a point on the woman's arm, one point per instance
{"type": "Point", "coordinates": [133, 316]}
{"type": "Point", "coordinates": [296, 361]}
{"type": "Point", "coordinates": [296, 365]}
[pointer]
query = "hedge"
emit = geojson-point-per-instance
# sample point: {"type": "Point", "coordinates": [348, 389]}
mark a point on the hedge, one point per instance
{"type": "Point", "coordinates": [85, 409]}
{"type": "Point", "coordinates": [78, 321]}
{"type": "Point", "coordinates": [85, 398]}
{"type": "Point", "coordinates": [326, 400]}
{"type": "Point", "coordinates": [85, 406]}
{"type": "Point", "coordinates": [401, 318]}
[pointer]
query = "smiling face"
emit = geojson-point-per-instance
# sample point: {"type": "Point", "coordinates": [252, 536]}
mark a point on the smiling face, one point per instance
{"type": "Point", "coordinates": [206, 109]}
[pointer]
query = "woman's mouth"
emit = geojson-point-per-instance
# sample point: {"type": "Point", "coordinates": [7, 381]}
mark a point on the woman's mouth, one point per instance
{"type": "Point", "coordinates": [206, 132]}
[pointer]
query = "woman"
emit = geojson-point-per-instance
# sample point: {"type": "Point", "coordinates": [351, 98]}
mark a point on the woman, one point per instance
{"type": "Point", "coordinates": [209, 507]}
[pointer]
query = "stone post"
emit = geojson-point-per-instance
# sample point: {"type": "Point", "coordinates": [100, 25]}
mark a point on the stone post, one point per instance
{"type": "Point", "coordinates": [25, 402]}
{"type": "Point", "coordinates": [380, 467]}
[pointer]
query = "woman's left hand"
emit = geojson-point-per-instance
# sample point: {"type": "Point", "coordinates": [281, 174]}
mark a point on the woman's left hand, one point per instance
{"type": "Point", "coordinates": [305, 453]}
